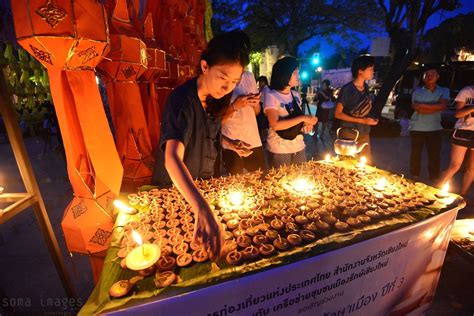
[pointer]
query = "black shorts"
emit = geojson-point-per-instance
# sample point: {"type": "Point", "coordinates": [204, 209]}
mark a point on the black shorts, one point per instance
{"type": "Point", "coordinates": [463, 138]}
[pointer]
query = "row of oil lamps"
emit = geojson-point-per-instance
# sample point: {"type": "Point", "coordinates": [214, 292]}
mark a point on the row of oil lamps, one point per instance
{"type": "Point", "coordinates": [146, 255]}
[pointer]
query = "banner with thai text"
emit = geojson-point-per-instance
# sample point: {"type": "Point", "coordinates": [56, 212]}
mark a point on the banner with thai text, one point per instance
{"type": "Point", "coordinates": [393, 274]}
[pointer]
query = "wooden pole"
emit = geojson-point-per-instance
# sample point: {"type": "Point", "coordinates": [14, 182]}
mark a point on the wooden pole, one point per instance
{"type": "Point", "coordinates": [29, 180]}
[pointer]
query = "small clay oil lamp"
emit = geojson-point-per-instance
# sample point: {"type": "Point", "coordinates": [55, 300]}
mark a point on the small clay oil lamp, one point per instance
{"type": "Point", "coordinates": [124, 208]}
{"type": "Point", "coordinates": [144, 256]}
{"type": "Point", "coordinates": [381, 184]}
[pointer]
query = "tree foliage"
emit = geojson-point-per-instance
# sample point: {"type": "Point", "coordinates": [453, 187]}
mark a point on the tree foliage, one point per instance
{"type": "Point", "coordinates": [27, 79]}
{"type": "Point", "coordinates": [405, 23]}
{"type": "Point", "coordinates": [288, 24]}
{"type": "Point", "coordinates": [442, 41]}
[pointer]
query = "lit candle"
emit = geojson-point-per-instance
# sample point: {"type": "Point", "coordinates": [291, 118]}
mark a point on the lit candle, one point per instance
{"type": "Point", "coordinates": [1, 188]}
{"type": "Point", "coordinates": [444, 193]}
{"type": "Point", "coordinates": [142, 257]}
{"type": "Point", "coordinates": [381, 184]}
{"type": "Point", "coordinates": [121, 206]}
{"type": "Point", "coordinates": [445, 189]}
{"type": "Point", "coordinates": [363, 161]}
{"type": "Point", "coordinates": [236, 198]}
{"type": "Point", "coordinates": [302, 185]}
{"type": "Point", "coordinates": [327, 158]}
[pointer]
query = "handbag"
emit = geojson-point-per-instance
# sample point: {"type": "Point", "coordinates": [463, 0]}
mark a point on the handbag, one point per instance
{"type": "Point", "coordinates": [293, 110]}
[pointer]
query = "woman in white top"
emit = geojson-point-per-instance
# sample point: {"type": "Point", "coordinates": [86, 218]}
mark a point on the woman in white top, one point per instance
{"type": "Point", "coordinates": [463, 139]}
{"type": "Point", "coordinates": [241, 124]}
{"type": "Point", "coordinates": [277, 101]}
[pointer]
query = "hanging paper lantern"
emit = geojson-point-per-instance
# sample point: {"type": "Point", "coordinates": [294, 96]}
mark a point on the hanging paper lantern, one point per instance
{"type": "Point", "coordinates": [156, 58]}
{"type": "Point", "coordinates": [125, 63]}
{"type": "Point", "coordinates": [127, 59]}
{"type": "Point", "coordinates": [156, 67]}
{"type": "Point", "coordinates": [70, 38]}
{"type": "Point", "coordinates": [63, 34]}
{"type": "Point", "coordinates": [83, 224]}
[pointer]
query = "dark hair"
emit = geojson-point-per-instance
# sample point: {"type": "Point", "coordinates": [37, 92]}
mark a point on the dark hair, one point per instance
{"type": "Point", "coordinates": [327, 82]}
{"type": "Point", "coordinates": [430, 67]}
{"type": "Point", "coordinates": [229, 47]}
{"type": "Point", "coordinates": [282, 71]}
{"type": "Point", "coordinates": [361, 63]}
{"type": "Point", "coordinates": [263, 79]}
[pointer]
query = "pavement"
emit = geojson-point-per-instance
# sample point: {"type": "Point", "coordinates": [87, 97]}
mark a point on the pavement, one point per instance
{"type": "Point", "coordinates": [29, 282]}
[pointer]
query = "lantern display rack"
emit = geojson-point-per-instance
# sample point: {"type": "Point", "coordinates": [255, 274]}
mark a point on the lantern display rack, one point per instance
{"type": "Point", "coordinates": [18, 202]}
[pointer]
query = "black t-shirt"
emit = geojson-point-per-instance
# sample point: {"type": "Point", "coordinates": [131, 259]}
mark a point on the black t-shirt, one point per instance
{"type": "Point", "coordinates": [184, 119]}
{"type": "Point", "coordinates": [350, 97]}
{"type": "Point", "coordinates": [329, 94]}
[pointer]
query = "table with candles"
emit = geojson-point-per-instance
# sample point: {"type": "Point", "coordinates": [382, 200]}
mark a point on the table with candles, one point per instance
{"type": "Point", "coordinates": [269, 219]}
{"type": "Point", "coordinates": [463, 237]}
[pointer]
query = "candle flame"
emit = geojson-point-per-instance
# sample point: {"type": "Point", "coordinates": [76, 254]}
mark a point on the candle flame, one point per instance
{"type": "Point", "coordinates": [381, 183]}
{"type": "Point", "coordinates": [121, 206]}
{"type": "Point", "coordinates": [236, 198]}
{"type": "Point", "coordinates": [445, 188]}
{"type": "Point", "coordinates": [136, 236]}
{"type": "Point", "coordinates": [327, 158]}
{"type": "Point", "coordinates": [363, 160]}
{"type": "Point", "coordinates": [302, 184]}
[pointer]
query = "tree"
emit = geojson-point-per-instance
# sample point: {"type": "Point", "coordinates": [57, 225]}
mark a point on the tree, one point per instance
{"type": "Point", "coordinates": [290, 23]}
{"type": "Point", "coordinates": [26, 78]}
{"type": "Point", "coordinates": [405, 22]}
{"type": "Point", "coordinates": [442, 41]}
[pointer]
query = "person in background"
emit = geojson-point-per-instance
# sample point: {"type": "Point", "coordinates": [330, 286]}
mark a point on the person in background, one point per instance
{"type": "Point", "coordinates": [262, 83]}
{"type": "Point", "coordinates": [404, 123]}
{"type": "Point", "coordinates": [190, 142]}
{"type": "Point", "coordinates": [463, 139]}
{"type": "Point", "coordinates": [325, 99]}
{"type": "Point", "coordinates": [262, 121]}
{"type": "Point", "coordinates": [278, 101]}
{"type": "Point", "coordinates": [428, 102]}
{"type": "Point", "coordinates": [354, 104]}
{"type": "Point", "coordinates": [241, 124]}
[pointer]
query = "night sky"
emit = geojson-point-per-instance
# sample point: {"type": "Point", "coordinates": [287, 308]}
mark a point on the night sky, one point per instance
{"type": "Point", "coordinates": [365, 40]}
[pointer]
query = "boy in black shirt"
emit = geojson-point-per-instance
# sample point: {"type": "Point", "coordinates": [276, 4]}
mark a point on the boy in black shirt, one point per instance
{"type": "Point", "coordinates": [355, 103]}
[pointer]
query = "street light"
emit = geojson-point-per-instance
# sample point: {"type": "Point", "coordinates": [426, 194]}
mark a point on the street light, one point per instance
{"type": "Point", "coordinates": [319, 70]}
{"type": "Point", "coordinates": [304, 75]}
{"type": "Point", "coordinates": [315, 59]}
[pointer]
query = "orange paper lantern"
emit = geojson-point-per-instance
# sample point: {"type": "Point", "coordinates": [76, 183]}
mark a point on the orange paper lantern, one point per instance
{"type": "Point", "coordinates": [84, 224]}
{"type": "Point", "coordinates": [122, 67]}
{"type": "Point", "coordinates": [70, 38]}
{"type": "Point", "coordinates": [156, 57]}
{"type": "Point", "coordinates": [60, 33]}
{"type": "Point", "coordinates": [127, 59]}
{"type": "Point", "coordinates": [156, 67]}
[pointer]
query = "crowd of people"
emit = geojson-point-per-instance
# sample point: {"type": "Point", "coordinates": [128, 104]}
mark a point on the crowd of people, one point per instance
{"type": "Point", "coordinates": [222, 115]}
